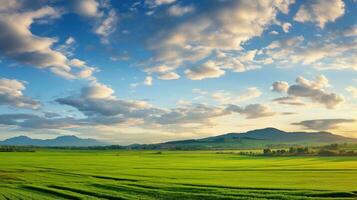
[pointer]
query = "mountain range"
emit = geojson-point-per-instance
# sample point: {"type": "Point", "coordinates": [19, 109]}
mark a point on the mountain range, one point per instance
{"type": "Point", "coordinates": [252, 139]}
{"type": "Point", "coordinates": [60, 141]}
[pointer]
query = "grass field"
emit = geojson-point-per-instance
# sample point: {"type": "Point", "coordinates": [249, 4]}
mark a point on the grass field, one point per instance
{"type": "Point", "coordinates": [69, 174]}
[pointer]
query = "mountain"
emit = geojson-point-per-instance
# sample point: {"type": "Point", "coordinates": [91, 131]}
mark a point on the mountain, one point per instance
{"type": "Point", "coordinates": [259, 138]}
{"type": "Point", "coordinates": [60, 141]}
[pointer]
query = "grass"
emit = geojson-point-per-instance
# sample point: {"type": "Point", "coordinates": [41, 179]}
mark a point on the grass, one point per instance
{"type": "Point", "coordinates": [70, 174]}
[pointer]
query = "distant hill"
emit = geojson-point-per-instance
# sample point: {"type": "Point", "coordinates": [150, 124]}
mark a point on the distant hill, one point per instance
{"type": "Point", "coordinates": [260, 138]}
{"type": "Point", "coordinates": [60, 141]}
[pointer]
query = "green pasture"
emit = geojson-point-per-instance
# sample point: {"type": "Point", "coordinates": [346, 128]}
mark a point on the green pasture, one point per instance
{"type": "Point", "coordinates": [70, 174]}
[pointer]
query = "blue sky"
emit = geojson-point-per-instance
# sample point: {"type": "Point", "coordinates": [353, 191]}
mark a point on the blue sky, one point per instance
{"type": "Point", "coordinates": [157, 70]}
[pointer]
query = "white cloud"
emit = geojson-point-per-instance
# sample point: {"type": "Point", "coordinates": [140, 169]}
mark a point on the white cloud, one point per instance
{"type": "Point", "coordinates": [311, 89]}
{"type": "Point", "coordinates": [107, 26]}
{"type": "Point", "coordinates": [68, 47]}
{"type": "Point", "coordinates": [274, 33]}
{"type": "Point", "coordinates": [20, 44]}
{"type": "Point", "coordinates": [98, 100]}
{"type": "Point", "coordinates": [169, 76]}
{"type": "Point", "coordinates": [98, 91]}
{"type": "Point", "coordinates": [280, 86]}
{"type": "Point", "coordinates": [330, 52]}
{"type": "Point", "coordinates": [86, 8]}
{"type": "Point", "coordinates": [11, 95]}
{"type": "Point", "coordinates": [98, 103]}
{"type": "Point", "coordinates": [164, 72]}
{"type": "Point", "coordinates": [225, 28]}
{"type": "Point", "coordinates": [206, 70]}
{"type": "Point", "coordinates": [155, 3]}
{"type": "Point", "coordinates": [320, 12]}
{"type": "Point", "coordinates": [286, 27]}
{"type": "Point", "coordinates": [148, 81]}
{"type": "Point", "coordinates": [100, 13]}
{"type": "Point", "coordinates": [178, 10]}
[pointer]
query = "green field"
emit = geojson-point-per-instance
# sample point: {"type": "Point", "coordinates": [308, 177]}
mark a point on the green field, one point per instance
{"type": "Point", "coordinates": [69, 174]}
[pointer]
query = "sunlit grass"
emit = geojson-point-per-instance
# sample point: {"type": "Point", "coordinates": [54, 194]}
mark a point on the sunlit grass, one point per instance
{"type": "Point", "coordinates": [61, 174]}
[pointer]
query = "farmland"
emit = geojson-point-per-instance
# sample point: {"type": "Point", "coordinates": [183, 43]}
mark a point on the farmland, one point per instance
{"type": "Point", "coordinates": [83, 174]}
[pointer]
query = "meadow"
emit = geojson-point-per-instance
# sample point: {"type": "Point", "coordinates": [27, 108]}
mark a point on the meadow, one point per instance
{"type": "Point", "coordinates": [84, 174]}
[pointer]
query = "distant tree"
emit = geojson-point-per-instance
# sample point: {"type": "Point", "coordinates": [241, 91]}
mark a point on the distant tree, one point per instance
{"type": "Point", "coordinates": [292, 150]}
{"type": "Point", "coordinates": [324, 152]}
{"type": "Point", "coordinates": [332, 146]}
{"type": "Point", "coordinates": [266, 151]}
{"type": "Point", "coordinates": [300, 150]}
{"type": "Point", "coordinates": [306, 150]}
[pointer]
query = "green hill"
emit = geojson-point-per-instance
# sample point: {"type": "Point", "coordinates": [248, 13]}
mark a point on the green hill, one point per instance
{"type": "Point", "coordinates": [260, 138]}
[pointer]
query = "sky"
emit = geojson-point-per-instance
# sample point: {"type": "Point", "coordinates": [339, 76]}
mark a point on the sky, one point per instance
{"type": "Point", "coordinates": [146, 71]}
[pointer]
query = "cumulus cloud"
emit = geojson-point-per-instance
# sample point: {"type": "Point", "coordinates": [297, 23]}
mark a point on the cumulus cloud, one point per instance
{"type": "Point", "coordinates": [86, 8]}
{"type": "Point", "coordinates": [11, 95]}
{"type": "Point", "coordinates": [17, 42]}
{"type": "Point", "coordinates": [280, 86]}
{"type": "Point", "coordinates": [323, 124]}
{"type": "Point", "coordinates": [311, 89]}
{"type": "Point", "coordinates": [206, 70]}
{"type": "Point", "coordinates": [225, 27]}
{"type": "Point", "coordinates": [320, 12]}
{"type": "Point", "coordinates": [99, 99]}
